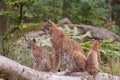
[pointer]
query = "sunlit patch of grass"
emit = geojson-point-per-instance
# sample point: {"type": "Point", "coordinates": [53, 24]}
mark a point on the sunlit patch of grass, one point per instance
{"type": "Point", "coordinates": [22, 58]}
{"type": "Point", "coordinates": [112, 67]}
{"type": "Point", "coordinates": [27, 27]}
{"type": "Point", "coordinates": [115, 67]}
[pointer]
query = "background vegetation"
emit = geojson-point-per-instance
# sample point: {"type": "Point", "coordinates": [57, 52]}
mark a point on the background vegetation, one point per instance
{"type": "Point", "coordinates": [18, 17]}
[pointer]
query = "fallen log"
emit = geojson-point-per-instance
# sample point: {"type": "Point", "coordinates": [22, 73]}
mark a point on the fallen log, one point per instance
{"type": "Point", "coordinates": [25, 73]}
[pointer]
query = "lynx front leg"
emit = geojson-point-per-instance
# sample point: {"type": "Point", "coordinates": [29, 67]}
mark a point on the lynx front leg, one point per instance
{"type": "Point", "coordinates": [47, 65]}
{"type": "Point", "coordinates": [36, 65]}
{"type": "Point", "coordinates": [56, 62]}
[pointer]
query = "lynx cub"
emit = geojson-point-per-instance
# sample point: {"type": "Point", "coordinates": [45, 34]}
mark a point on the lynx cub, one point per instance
{"type": "Point", "coordinates": [93, 57]}
{"type": "Point", "coordinates": [42, 59]}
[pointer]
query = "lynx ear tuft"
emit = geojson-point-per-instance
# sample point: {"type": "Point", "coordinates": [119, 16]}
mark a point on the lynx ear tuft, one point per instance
{"type": "Point", "coordinates": [34, 40]}
{"type": "Point", "coordinates": [96, 38]}
{"type": "Point", "coordinates": [49, 20]}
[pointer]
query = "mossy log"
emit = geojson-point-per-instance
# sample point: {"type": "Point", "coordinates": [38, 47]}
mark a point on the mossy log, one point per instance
{"type": "Point", "coordinates": [16, 70]}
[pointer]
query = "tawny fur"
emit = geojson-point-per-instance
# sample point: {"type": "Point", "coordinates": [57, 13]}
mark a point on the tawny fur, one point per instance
{"type": "Point", "coordinates": [93, 58]}
{"type": "Point", "coordinates": [42, 59]}
{"type": "Point", "coordinates": [69, 49]}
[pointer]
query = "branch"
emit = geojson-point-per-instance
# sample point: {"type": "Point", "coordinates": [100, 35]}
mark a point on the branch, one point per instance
{"type": "Point", "coordinates": [26, 73]}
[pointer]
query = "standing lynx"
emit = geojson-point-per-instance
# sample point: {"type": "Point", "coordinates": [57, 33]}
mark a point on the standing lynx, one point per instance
{"type": "Point", "coordinates": [42, 60]}
{"type": "Point", "coordinates": [69, 49]}
{"type": "Point", "coordinates": [93, 57]}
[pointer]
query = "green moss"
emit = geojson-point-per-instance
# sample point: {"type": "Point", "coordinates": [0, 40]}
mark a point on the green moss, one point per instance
{"type": "Point", "coordinates": [27, 27]}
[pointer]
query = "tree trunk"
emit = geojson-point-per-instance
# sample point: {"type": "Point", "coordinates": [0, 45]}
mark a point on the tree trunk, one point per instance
{"type": "Point", "coordinates": [21, 11]}
{"type": "Point", "coordinates": [3, 19]}
{"type": "Point", "coordinates": [21, 72]}
{"type": "Point", "coordinates": [109, 16]}
{"type": "Point", "coordinates": [4, 23]}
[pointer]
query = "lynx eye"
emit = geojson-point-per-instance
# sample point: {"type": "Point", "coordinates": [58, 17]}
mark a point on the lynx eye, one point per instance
{"type": "Point", "coordinates": [100, 40]}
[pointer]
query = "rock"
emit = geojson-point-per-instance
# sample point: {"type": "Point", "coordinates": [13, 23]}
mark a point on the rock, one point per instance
{"type": "Point", "coordinates": [64, 21]}
{"type": "Point", "coordinates": [99, 32]}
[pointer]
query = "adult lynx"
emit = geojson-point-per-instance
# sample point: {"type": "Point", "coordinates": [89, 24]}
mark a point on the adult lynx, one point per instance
{"type": "Point", "coordinates": [69, 49]}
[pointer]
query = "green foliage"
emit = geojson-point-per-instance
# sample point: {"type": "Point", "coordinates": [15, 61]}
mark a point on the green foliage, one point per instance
{"type": "Point", "coordinates": [14, 11]}
{"type": "Point", "coordinates": [74, 33]}
{"type": "Point", "coordinates": [48, 8]}
{"type": "Point", "coordinates": [90, 11]}
{"type": "Point", "coordinates": [116, 13]}
{"type": "Point", "coordinates": [17, 50]}
{"type": "Point", "coordinates": [116, 30]}
{"type": "Point", "coordinates": [82, 11]}
{"type": "Point", "coordinates": [31, 26]}
{"type": "Point", "coordinates": [110, 50]}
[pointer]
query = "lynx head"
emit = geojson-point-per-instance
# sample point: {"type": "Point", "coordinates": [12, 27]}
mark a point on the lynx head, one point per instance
{"type": "Point", "coordinates": [96, 39]}
{"type": "Point", "coordinates": [31, 44]}
{"type": "Point", "coordinates": [96, 42]}
{"type": "Point", "coordinates": [47, 27]}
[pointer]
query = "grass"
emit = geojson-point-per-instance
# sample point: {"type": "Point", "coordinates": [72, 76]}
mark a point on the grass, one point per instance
{"type": "Point", "coordinates": [112, 67]}
{"type": "Point", "coordinates": [27, 27]}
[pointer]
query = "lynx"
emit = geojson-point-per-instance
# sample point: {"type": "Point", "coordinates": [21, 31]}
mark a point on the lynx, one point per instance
{"type": "Point", "coordinates": [42, 59]}
{"type": "Point", "coordinates": [70, 50]}
{"type": "Point", "coordinates": [93, 57]}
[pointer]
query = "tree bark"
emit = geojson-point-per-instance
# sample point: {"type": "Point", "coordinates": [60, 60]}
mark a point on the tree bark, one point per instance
{"type": "Point", "coordinates": [25, 73]}
{"type": "Point", "coordinates": [21, 11]}
{"type": "Point", "coordinates": [3, 19]}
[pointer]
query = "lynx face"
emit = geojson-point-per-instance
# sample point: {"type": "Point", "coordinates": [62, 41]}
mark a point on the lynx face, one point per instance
{"type": "Point", "coordinates": [47, 26]}
{"type": "Point", "coordinates": [96, 40]}
{"type": "Point", "coordinates": [96, 43]}
{"type": "Point", "coordinates": [31, 44]}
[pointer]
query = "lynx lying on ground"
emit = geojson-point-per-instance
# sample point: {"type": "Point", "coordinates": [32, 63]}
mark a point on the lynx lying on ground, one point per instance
{"type": "Point", "coordinates": [93, 57]}
{"type": "Point", "coordinates": [69, 49]}
{"type": "Point", "coordinates": [42, 59]}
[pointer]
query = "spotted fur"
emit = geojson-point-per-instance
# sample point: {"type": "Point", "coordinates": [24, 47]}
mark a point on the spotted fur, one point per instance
{"type": "Point", "coordinates": [42, 59]}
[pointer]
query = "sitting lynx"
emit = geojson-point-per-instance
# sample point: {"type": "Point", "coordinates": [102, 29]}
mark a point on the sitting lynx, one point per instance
{"type": "Point", "coordinates": [42, 60]}
{"type": "Point", "coordinates": [93, 57]}
{"type": "Point", "coordinates": [65, 47]}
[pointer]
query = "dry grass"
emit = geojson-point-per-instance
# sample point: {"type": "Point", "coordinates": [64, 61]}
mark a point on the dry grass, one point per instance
{"type": "Point", "coordinates": [112, 67]}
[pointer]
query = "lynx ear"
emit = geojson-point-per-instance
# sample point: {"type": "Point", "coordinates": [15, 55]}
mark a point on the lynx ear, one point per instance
{"type": "Point", "coordinates": [34, 40]}
{"type": "Point", "coordinates": [96, 38]}
{"type": "Point", "coordinates": [49, 20]}
{"type": "Point", "coordinates": [101, 40]}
